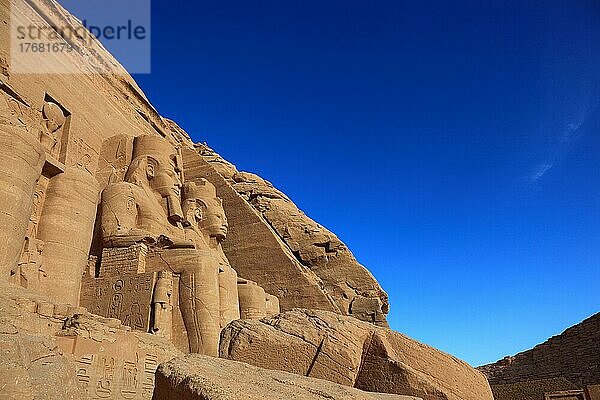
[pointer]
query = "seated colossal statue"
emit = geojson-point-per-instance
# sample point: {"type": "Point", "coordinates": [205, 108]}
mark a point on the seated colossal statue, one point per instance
{"type": "Point", "coordinates": [182, 226]}
{"type": "Point", "coordinates": [146, 208]}
{"type": "Point", "coordinates": [206, 225]}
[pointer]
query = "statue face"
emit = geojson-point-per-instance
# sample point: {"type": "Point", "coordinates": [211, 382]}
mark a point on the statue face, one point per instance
{"type": "Point", "coordinates": [214, 221]}
{"type": "Point", "coordinates": [163, 177]}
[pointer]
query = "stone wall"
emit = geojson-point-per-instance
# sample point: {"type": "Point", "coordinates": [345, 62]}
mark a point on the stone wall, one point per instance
{"type": "Point", "coordinates": [572, 357]}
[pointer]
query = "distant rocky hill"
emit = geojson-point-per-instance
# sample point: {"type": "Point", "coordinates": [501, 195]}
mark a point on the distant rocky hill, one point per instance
{"type": "Point", "coordinates": [568, 361]}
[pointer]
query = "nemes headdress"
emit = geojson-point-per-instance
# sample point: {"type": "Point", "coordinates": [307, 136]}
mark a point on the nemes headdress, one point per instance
{"type": "Point", "coordinates": [202, 190]}
{"type": "Point", "coordinates": [154, 146]}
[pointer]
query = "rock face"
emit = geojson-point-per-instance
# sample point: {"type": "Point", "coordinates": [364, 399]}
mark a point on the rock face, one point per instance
{"type": "Point", "coordinates": [353, 289]}
{"type": "Point", "coordinates": [202, 378]}
{"type": "Point", "coordinates": [343, 350]}
{"type": "Point", "coordinates": [254, 250]}
{"type": "Point", "coordinates": [567, 361]}
{"type": "Point", "coordinates": [75, 145]}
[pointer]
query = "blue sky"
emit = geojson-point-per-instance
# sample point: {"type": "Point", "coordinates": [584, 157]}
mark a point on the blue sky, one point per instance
{"type": "Point", "coordinates": [454, 146]}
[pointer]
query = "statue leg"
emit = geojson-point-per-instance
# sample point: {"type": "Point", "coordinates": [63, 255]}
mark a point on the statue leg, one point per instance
{"type": "Point", "coordinates": [199, 303]}
{"type": "Point", "coordinates": [198, 294]}
{"type": "Point", "coordinates": [228, 296]}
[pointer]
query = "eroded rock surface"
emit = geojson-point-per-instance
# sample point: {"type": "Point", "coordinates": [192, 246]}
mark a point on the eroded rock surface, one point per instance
{"type": "Point", "coordinates": [34, 367]}
{"type": "Point", "coordinates": [340, 349]}
{"type": "Point", "coordinates": [198, 377]}
{"type": "Point", "coordinates": [103, 202]}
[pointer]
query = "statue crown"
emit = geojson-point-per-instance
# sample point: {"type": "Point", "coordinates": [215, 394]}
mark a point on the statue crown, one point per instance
{"type": "Point", "coordinates": [203, 190]}
{"type": "Point", "coordinates": [154, 146]}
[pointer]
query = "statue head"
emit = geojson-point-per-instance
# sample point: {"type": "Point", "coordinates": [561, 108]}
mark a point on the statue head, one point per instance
{"type": "Point", "coordinates": [53, 116]}
{"type": "Point", "coordinates": [53, 120]}
{"type": "Point", "coordinates": [203, 209]}
{"type": "Point", "coordinates": [155, 165]}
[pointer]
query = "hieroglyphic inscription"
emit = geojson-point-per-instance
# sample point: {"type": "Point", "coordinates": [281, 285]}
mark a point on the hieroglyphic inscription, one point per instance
{"type": "Point", "coordinates": [127, 297]}
{"type": "Point", "coordinates": [150, 365]}
{"type": "Point", "coordinates": [104, 385]}
{"type": "Point", "coordinates": [130, 379]}
{"type": "Point", "coordinates": [84, 372]}
{"type": "Point", "coordinates": [83, 156]}
{"type": "Point", "coordinates": [14, 110]}
{"type": "Point", "coordinates": [107, 376]}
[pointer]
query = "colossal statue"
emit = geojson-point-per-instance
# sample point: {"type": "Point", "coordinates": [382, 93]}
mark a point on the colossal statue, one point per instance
{"type": "Point", "coordinates": [146, 208]}
{"type": "Point", "coordinates": [21, 164]}
{"type": "Point", "coordinates": [206, 225]}
{"type": "Point", "coordinates": [174, 230]}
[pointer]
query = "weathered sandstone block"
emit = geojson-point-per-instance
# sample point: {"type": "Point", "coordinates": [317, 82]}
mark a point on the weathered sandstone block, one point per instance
{"type": "Point", "coordinates": [344, 350]}
{"type": "Point", "coordinates": [33, 367]}
{"type": "Point", "coordinates": [394, 363]}
{"type": "Point", "coordinates": [300, 342]}
{"type": "Point", "coordinates": [203, 378]}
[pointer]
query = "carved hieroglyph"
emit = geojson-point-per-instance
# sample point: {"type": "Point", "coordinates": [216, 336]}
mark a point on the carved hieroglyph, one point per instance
{"type": "Point", "coordinates": [126, 297]}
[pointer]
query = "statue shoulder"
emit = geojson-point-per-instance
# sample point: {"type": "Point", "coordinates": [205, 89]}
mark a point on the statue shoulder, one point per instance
{"type": "Point", "coordinates": [121, 189]}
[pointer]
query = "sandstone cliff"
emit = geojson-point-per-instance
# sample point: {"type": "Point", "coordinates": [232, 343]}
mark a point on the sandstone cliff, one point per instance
{"type": "Point", "coordinates": [101, 108]}
{"type": "Point", "coordinates": [203, 378]}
